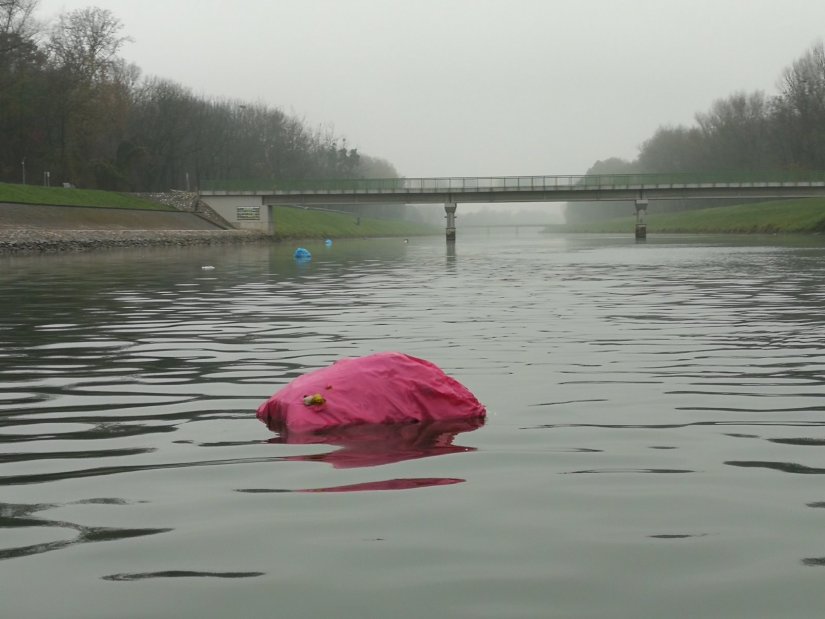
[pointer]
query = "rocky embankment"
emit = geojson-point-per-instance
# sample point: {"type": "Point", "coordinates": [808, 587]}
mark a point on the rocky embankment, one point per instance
{"type": "Point", "coordinates": [39, 240]}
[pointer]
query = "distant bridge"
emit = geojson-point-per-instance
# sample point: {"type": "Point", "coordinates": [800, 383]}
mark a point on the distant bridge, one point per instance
{"type": "Point", "coordinates": [510, 226]}
{"type": "Point", "coordinates": [450, 191]}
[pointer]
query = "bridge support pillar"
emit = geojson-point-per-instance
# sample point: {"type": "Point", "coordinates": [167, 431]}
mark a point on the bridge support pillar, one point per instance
{"type": "Point", "coordinates": [641, 216]}
{"type": "Point", "coordinates": [449, 208]}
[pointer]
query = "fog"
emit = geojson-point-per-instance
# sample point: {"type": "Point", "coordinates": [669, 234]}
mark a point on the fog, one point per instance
{"type": "Point", "coordinates": [472, 87]}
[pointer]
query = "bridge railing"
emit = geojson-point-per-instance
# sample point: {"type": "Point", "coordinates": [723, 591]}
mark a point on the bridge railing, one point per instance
{"type": "Point", "coordinates": [463, 184]}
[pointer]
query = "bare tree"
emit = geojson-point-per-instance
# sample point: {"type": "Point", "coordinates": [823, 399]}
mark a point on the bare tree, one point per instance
{"type": "Point", "coordinates": [90, 103]}
{"type": "Point", "coordinates": [735, 132]}
{"type": "Point", "coordinates": [16, 17]}
{"type": "Point", "coordinates": [800, 109]}
{"type": "Point", "coordinates": [86, 42]}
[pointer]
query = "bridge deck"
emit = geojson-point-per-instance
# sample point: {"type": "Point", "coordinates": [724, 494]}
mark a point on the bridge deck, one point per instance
{"type": "Point", "coordinates": [522, 188]}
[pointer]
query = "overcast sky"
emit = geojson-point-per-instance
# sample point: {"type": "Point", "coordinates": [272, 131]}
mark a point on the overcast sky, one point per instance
{"type": "Point", "coordinates": [472, 87]}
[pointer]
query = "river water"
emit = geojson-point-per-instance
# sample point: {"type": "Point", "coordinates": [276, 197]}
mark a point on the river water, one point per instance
{"type": "Point", "coordinates": [654, 447]}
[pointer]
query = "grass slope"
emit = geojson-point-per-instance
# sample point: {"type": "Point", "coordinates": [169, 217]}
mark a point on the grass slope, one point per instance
{"type": "Point", "coordinates": [57, 196]}
{"type": "Point", "coordinates": [786, 216]}
{"type": "Point", "coordinates": [298, 223]}
{"type": "Point", "coordinates": [290, 223]}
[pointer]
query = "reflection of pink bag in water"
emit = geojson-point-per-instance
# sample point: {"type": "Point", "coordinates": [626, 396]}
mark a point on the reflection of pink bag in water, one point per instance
{"type": "Point", "coordinates": [381, 388]}
{"type": "Point", "coordinates": [374, 444]}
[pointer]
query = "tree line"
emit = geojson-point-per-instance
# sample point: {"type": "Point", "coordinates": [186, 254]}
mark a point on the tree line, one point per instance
{"type": "Point", "coordinates": [73, 111]}
{"type": "Point", "coordinates": [745, 132]}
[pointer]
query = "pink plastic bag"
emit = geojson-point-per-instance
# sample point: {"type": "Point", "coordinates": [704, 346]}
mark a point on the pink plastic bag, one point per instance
{"type": "Point", "coordinates": [382, 388]}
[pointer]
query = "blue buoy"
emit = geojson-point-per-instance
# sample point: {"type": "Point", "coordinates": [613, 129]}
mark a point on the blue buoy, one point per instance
{"type": "Point", "coordinates": [302, 255]}
{"type": "Point", "coordinates": [328, 242]}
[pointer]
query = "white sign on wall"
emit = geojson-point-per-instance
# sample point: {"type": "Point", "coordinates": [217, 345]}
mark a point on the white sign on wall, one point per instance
{"type": "Point", "coordinates": [249, 213]}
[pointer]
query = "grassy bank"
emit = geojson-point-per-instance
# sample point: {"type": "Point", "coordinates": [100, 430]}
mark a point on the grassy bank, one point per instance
{"type": "Point", "coordinates": [290, 223]}
{"type": "Point", "coordinates": [298, 223]}
{"type": "Point", "coordinates": [58, 196]}
{"type": "Point", "coordinates": [805, 216]}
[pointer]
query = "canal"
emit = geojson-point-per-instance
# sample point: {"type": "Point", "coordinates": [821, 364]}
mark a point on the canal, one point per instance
{"type": "Point", "coordinates": [654, 447]}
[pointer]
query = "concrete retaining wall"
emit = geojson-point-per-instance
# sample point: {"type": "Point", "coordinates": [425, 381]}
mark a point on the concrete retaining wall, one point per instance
{"type": "Point", "coordinates": [242, 212]}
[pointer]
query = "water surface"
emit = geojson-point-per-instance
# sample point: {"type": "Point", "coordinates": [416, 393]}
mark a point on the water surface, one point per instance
{"type": "Point", "coordinates": [654, 443]}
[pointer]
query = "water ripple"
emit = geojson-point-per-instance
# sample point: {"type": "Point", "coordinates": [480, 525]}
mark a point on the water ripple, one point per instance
{"type": "Point", "coordinates": [181, 574]}
{"type": "Point", "coordinates": [785, 467]}
{"type": "Point", "coordinates": [627, 470]}
{"type": "Point", "coordinates": [21, 515]}
{"type": "Point", "coordinates": [39, 478]}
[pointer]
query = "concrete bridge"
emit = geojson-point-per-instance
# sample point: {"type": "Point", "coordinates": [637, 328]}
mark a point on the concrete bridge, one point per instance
{"type": "Point", "coordinates": [249, 205]}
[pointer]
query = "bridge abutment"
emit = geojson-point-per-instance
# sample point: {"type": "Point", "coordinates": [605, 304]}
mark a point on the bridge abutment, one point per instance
{"type": "Point", "coordinates": [449, 208]}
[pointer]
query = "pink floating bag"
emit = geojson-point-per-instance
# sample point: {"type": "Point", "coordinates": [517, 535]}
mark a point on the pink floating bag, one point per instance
{"type": "Point", "coordinates": [383, 388]}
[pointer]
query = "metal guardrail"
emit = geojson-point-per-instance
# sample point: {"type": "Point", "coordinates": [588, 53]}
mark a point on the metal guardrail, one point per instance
{"type": "Point", "coordinates": [517, 183]}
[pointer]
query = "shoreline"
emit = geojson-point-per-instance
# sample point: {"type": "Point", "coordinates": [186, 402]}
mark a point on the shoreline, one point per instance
{"type": "Point", "coordinates": [41, 241]}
